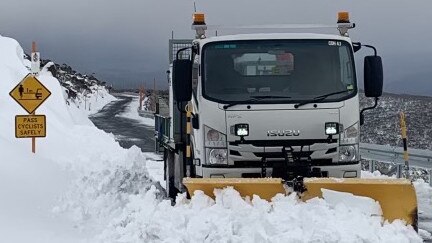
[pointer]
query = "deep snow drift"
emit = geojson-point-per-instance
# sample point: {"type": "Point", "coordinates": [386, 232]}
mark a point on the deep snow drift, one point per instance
{"type": "Point", "coordinates": [81, 186]}
{"type": "Point", "coordinates": [229, 218]}
{"type": "Point", "coordinates": [30, 184]}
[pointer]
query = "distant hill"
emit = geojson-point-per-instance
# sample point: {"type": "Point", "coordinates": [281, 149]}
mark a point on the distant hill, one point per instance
{"type": "Point", "coordinates": [76, 85]}
{"type": "Point", "coordinates": [382, 124]}
{"type": "Point", "coordinates": [417, 84]}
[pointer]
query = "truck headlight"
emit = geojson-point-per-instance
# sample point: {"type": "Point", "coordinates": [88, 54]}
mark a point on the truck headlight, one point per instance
{"type": "Point", "coordinates": [215, 146]}
{"type": "Point", "coordinates": [349, 135]}
{"type": "Point", "coordinates": [217, 156]}
{"type": "Point", "coordinates": [214, 138]}
{"type": "Point", "coordinates": [348, 153]}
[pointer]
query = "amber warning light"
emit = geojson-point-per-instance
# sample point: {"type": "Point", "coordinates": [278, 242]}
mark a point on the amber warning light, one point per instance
{"type": "Point", "coordinates": [343, 17]}
{"type": "Point", "coordinates": [198, 19]}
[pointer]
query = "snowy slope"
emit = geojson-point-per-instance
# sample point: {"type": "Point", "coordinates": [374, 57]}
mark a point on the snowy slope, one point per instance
{"type": "Point", "coordinates": [30, 185]}
{"type": "Point", "coordinates": [81, 186]}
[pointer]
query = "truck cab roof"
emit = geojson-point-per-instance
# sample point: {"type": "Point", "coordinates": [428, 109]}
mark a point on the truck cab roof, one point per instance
{"type": "Point", "coordinates": [273, 36]}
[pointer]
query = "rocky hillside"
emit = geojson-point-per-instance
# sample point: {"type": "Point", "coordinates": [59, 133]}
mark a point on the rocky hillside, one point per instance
{"type": "Point", "coordinates": [78, 87]}
{"type": "Point", "coordinates": [382, 124]}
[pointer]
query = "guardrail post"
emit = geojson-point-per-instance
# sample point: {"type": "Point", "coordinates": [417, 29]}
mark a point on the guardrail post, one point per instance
{"type": "Point", "coordinates": [371, 166]}
{"type": "Point", "coordinates": [156, 134]}
{"type": "Point", "coordinates": [400, 169]}
{"type": "Point", "coordinates": [405, 143]}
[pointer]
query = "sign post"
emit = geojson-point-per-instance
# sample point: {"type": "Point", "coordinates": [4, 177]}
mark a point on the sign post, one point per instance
{"type": "Point", "coordinates": [35, 66]}
{"type": "Point", "coordinates": [30, 93]}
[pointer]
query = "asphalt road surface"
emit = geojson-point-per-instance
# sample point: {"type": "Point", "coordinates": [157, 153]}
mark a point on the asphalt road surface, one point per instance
{"type": "Point", "coordinates": [128, 132]}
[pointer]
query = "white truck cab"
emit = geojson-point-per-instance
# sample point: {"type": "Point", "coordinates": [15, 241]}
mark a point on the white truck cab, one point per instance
{"type": "Point", "coordinates": [265, 105]}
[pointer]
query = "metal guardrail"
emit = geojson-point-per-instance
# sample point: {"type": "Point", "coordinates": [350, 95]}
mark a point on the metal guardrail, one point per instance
{"type": "Point", "coordinates": [162, 131]}
{"type": "Point", "coordinates": [419, 159]}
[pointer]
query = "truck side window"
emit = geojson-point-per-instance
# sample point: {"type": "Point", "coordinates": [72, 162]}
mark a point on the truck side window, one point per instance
{"type": "Point", "coordinates": [345, 66]}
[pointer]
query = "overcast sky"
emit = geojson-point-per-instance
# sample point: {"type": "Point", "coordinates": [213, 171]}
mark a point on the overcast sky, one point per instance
{"type": "Point", "coordinates": [127, 41]}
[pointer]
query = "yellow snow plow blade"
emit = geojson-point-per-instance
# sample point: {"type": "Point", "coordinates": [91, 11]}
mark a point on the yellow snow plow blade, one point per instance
{"type": "Point", "coordinates": [396, 196]}
{"type": "Point", "coordinates": [266, 188]}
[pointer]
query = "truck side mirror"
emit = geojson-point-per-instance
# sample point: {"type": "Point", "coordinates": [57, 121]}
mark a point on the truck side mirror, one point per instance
{"type": "Point", "coordinates": [182, 80]}
{"type": "Point", "coordinates": [373, 76]}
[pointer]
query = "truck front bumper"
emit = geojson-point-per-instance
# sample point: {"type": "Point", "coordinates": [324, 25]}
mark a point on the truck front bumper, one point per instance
{"type": "Point", "coordinates": [334, 170]}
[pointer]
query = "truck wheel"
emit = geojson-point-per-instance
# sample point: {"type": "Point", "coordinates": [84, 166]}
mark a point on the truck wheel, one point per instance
{"type": "Point", "coordinates": [171, 190]}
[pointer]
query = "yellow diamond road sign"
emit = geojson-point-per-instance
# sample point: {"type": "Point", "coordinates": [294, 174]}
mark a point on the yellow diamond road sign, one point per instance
{"type": "Point", "coordinates": [30, 93]}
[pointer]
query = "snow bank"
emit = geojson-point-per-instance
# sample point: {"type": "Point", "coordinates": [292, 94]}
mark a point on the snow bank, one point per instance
{"type": "Point", "coordinates": [424, 198]}
{"type": "Point", "coordinates": [229, 218]}
{"type": "Point", "coordinates": [30, 184]}
{"type": "Point", "coordinates": [374, 175]}
{"type": "Point", "coordinates": [128, 207]}
{"type": "Point", "coordinates": [100, 194]}
{"type": "Point", "coordinates": [131, 112]}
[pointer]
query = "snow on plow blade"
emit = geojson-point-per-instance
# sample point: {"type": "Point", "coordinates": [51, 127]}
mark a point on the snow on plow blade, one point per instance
{"type": "Point", "coordinates": [396, 196]}
{"type": "Point", "coordinates": [266, 188]}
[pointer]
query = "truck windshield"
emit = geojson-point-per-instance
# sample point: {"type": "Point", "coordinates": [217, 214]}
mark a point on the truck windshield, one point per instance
{"type": "Point", "coordinates": [235, 71]}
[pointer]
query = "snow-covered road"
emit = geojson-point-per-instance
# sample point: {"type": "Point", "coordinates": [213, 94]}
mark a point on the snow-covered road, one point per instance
{"type": "Point", "coordinates": [118, 118]}
{"type": "Point", "coordinates": [121, 118]}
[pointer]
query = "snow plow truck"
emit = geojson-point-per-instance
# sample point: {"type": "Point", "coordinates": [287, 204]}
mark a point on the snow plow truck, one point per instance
{"type": "Point", "coordinates": [273, 113]}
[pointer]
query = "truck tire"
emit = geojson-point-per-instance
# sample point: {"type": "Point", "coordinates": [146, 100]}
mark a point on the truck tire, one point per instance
{"type": "Point", "coordinates": [171, 190]}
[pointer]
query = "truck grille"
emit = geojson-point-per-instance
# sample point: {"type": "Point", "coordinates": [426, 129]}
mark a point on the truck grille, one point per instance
{"type": "Point", "coordinates": [282, 143]}
{"type": "Point", "coordinates": [280, 155]}
{"type": "Point", "coordinates": [250, 153]}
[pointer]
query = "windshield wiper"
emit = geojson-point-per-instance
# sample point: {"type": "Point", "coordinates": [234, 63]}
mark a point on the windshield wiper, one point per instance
{"type": "Point", "coordinates": [253, 99]}
{"type": "Point", "coordinates": [319, 98]}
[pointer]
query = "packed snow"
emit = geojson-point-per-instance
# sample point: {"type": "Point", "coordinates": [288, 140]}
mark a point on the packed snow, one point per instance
{"type": "Point", "coordinates": [131, 112]}
{"type": "Point", "coordinates": [229, 218]}
{"type": "Point", "coordinates": [424, 198]}
{"type": "Point", "coordinates": [376, 174]}
{"type": "Point", "coordinates": [81, 186]}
